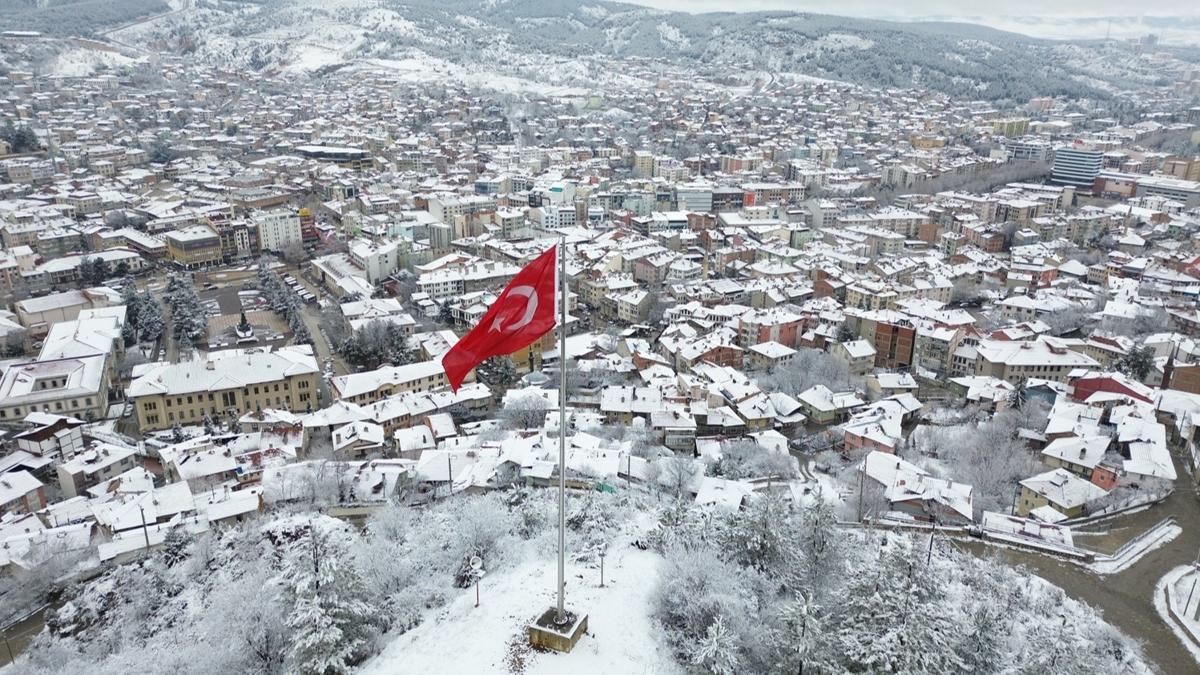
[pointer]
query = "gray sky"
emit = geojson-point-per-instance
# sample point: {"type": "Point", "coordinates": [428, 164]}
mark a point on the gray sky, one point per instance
{"type": "Point", "coordinates": [1033, 17]}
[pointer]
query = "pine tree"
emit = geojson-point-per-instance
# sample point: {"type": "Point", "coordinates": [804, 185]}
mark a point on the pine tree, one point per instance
{"type": "Point", "coordinates": [717, 651]}
{"type": "Point", "coordinates": [330, 620]}
{"type": "Point", "coordinates": [896, 620]}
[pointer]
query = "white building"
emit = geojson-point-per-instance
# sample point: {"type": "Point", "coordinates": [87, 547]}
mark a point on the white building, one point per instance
{"type": "Point", "coordinates": [278, 230]}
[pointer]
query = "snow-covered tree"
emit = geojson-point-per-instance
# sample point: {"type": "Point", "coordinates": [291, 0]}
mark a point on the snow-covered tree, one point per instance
{"type": "Point", "coordinates": [810, 367]}
{"type": "Point", "coordinates": [525, 412]}
{"type": "Point", "coordinates": [330, 619]}
{"type": "Point", "coordinates": [895, 620]}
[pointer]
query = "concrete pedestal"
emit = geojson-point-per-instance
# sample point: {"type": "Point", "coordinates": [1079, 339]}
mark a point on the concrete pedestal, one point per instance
{"type": "Point", "coordinates": [545, 634]}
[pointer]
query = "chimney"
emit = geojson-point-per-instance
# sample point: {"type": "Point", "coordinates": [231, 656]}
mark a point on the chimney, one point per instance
{"type": "Point", "coordinates": [209, 365]}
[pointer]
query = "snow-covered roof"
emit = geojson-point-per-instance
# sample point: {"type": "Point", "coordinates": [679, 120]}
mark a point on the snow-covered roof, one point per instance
{"type": "Point", "coordinates": [1063, 489]}
{"type": "Point", "coordinates": [230, 369]}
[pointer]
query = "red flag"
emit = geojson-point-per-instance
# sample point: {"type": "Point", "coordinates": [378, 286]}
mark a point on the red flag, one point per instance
{"type": "Point", "coordinates": [523, 313]}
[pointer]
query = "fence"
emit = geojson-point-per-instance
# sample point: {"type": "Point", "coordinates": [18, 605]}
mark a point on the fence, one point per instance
{"type": "Point", "coordinates": [1148, 534]}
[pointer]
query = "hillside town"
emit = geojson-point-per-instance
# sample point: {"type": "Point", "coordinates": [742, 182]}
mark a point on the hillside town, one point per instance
{"type": "Point", "coordinates": [228, 296]}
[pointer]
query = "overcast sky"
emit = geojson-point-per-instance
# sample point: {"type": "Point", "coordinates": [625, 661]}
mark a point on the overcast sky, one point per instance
{"type": "Point", "coordinates": [1032, 17]}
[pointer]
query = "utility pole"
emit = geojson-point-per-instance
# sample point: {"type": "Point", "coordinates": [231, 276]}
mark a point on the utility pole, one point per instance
{"type": "Point", "coordinates": [145, 532]}
{"type": "Point", "coordinates": [929, 556]}
{"type": "Point", "coordinates": [862, 471]}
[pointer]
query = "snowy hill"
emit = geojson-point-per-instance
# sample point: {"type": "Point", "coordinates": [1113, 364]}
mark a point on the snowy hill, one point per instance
{"type": "Point", "coordinates": [552, 41]}
{"type": "Point", "coordinates": [491, 638]}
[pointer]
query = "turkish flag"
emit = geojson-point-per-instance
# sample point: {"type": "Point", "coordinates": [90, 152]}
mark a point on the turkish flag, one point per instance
{"type": "Point", "coordinates": [523, 313]}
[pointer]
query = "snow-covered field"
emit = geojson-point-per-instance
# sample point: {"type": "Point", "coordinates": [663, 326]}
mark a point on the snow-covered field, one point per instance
{"type": "Point", "coordinates": [491, 638]}
{"type": "Point", "coordinates": [82, 62]}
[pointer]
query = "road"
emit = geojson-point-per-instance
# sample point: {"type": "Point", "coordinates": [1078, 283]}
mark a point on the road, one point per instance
{"type": "Point", "coordinates": [18, 636]}
{"type": "Point", "coordinates": [1126, 597]}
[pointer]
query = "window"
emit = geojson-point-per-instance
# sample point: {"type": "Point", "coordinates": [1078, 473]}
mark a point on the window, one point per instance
{"type": "Point", "coordinates": [170, 417]}
{"type": "Point", "coordinates": [189, 400]}
{"type": "Point", "coordinates": [276, 386]}
{"type": "Point", "coordinates": [74, 403]}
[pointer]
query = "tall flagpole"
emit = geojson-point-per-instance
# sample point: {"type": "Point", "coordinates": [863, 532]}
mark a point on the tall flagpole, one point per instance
{"type": "Point", "coordinates": [561, 617]}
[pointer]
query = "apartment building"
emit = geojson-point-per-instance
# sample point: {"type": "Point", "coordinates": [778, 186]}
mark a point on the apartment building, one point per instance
{"type": "Point", "coordinates": [94, 466]}
{"type": "Point", "coordinates": [278, 230]}
{"type": "Point", "coordinates": [1044, 359]}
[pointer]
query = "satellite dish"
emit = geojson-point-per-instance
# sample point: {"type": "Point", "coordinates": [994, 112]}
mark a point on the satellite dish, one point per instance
{"type": "Point", "coordinates": [476, 563]}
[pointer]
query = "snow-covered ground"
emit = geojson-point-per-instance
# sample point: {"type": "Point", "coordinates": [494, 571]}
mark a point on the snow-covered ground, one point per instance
{"type": "Point", "coordinates": [462, 638]}
{"type": "Point", "coordinates": [417, 66]}
{"type": "Point", "coordinates": [1127, 556]}
{"type": "Point", "coordinates": [82, 62]}
{"type": "Point", "coordinates": [1177, 584]}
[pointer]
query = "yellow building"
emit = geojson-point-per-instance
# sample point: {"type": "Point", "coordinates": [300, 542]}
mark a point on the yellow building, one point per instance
{"type": "Point", "coordinates": [194, 246]}
{"type": "Point", "coordinates": [376, 385]}
{"type": "Point", "coordinates": [1011, 126]}
{"type": "Point", "coordinates": [224, 384]}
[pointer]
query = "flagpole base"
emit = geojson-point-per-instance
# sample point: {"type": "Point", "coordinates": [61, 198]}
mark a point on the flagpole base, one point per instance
{"type": "Point", "coordinates": [548, 635]}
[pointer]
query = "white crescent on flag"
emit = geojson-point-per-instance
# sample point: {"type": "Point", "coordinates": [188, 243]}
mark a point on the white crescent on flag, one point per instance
{"type": "Point", "coordinates": [531, 305]}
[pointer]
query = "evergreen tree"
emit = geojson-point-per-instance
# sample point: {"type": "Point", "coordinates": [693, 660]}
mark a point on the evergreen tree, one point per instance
{"type": "Point", "coordinates": [896, 621]}
{"type": "Point", "coordinates": [1137, 363]}
{"type": "Point", "coordinates": [331, 620]}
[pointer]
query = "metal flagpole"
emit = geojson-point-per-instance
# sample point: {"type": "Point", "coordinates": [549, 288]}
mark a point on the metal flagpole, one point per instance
{"type": "Point", "coordinates": [561, 616]}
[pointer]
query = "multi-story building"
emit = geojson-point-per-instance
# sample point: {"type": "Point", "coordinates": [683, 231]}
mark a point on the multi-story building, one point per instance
{"type": "Point", "coordinates": [75, 386]}
{"type": "Point", "coordinates": [1077, 166]}
{"type": "Point", "coordinates": [38, 314]}
{"type": "Point", "coordinates": [1010, 126]}
{"type": "Point", "coordinates": [94, 466]}
{"type": "Point", "coordinates": [1043, 359]}
{"type": "Point", "coordinates": [193, 247]}
{"type": "Point", "coordinates": [694, 197]}
{"type": "Point", "coordinates": [376, 385]}
{"type": "Point", "coordinates": [892, 334]}
{"type": "Point", "coordinates": [223, 384]}
{"type": "Point", "coordinates": [278, 230]}
{"type": "Point", "coordinates": [21, 492]}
